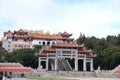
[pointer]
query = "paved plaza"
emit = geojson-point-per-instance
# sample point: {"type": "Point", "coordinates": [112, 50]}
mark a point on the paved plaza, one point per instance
{"type": "Point", "coordinates": [17, 79]}
{"type": "Point", "coordinates": [93, 78]}
{"type": "Point", "coordinates": [75, 78]}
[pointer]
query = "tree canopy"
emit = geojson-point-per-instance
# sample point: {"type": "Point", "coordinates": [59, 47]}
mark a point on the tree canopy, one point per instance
{"type": "Point", "coordinates": [24, 56]}
{"type": "Point", "coordinates": [3, 54]}
{"type": "Point", "coordinates": [107, 50]}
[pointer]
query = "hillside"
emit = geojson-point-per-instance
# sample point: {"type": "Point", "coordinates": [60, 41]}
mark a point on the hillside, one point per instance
{"type": "Point", "coordinates": [107, 50]}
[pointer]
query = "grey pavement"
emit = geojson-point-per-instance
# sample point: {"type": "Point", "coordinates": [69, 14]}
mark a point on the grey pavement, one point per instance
{"type": "Point", "coordinates": [17, 79]}
{"type": "Point", "coordinates": [75, 78]}
{"type": "Point", "coordinates": [92, 78]}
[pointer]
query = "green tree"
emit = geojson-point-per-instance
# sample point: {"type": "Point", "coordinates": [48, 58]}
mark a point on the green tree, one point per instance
{"type": "Point", "coordinates": [24, 56]}
{"type": "Point", "coordinates": [107, 50]}
{"type": "Point", "coordinates": [111, 57]}
{"type": "Point", "coordinates": [3, 54]}
{"type": "Point", "coordinates": [81, 39]}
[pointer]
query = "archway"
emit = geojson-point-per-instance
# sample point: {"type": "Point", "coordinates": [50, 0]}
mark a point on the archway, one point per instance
{"type": "Point", "coordinates": [48, 43]}
{"type": "Point", "coordinates": [50, 64]}
{"type": "Point", "coordinates": [88, 66]}
{"type": "Point", "coordinates": [43, 43]}
{"type": "Point", "coordinates": [43, 63]}
{"type": "Point", "coordinates": [80, 65]}
{"type": "Point", "coordinates": [53, 42]}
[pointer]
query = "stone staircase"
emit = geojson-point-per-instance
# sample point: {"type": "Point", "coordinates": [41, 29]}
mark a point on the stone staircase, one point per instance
{"type": "Point", "coordinates": [63, 65]}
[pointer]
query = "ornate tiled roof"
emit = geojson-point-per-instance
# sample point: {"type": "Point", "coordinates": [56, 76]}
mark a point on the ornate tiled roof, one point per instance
{"type": "Point", "coordinates": [80, 49]}
{"type": "Point", "coordinates": [10, 65]}
{"type": "Point", "coordinates": [69, 45]}
{"type": "Point", "coordinates": [43, 36]}
{"type": "Point", "coordinates": [8, 33]}
{"type": "Point", "coordinates": [89, 55]}
{"type": "Point", "coordinates": [117, 71]}
{"type": "Point", "coordinates": [42, 54]}
{"type": "Point", "coordinates": [23, 34]}
{"type": "Point", "coordinates": [65, 34]}
{"type": "Point", "coordinates": [14, 67]}
{"type": "Point", "coordinates": [21, 31]}
{"type": "Point", "coordinates": [48, 37]}
{"type": "Point", "coordinates": [50, 49]}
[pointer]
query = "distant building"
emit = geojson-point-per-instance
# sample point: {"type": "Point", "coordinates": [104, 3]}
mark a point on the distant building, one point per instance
{"type": "Point", "coordinates": [14, 68]}
{"type": "Point", "coordinates": [24, 39]}
{"type": "Point", "coordinates": [16, 40]}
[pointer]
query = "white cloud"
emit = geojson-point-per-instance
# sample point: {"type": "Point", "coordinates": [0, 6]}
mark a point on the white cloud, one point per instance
{"type": "Point", "coordinates": [90, 18]}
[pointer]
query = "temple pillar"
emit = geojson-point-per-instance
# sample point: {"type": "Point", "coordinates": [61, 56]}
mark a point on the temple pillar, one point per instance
{"type": "Point", "coordinates": [52, 67]}
{"type": "Point", "coordinates": [84, 64]}
{"type": "Point", "coordinates": [76, 64]}
{"type": "Point", "coordinates": [47, 64]}
{"type": "Point", "coordinates": [91, 65]}
{"type": "Point", "coordinates": [55, 64]}
{"type": "Point", "coordinates": [39, 63]}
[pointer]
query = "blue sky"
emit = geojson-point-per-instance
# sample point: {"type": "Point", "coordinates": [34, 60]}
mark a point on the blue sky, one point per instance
{"type": "Point", "coordinates": [91, 17]}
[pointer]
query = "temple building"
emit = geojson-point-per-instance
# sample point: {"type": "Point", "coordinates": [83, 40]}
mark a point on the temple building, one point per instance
{"type": "Point", "coordinates": [25, 39]}
{"type": "Point", "coordinates": [56, 56]}
{"type": "Point", "coordinates": [48, 40]}
{"type": "Point", "coordinates": [16, 40]}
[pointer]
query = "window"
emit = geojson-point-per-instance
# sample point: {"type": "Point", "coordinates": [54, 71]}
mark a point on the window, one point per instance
{"type": "Point", "coordinates": [29, 43]}
{"type": "Point", "coordinates": [73, 52]}
{"type": "Point", "coordinates": [68, 41]}
{"type": "Point", "coordinates": [39, 42]}
{"type": "Point", "coordinates": [66, 51]}
{"type": "Point", "coordinates": [53, 42]}
{"type": "Point", "coordinates": [51, 55]}
{"type": "Point", "coordinates": [48, 43]}
{"type": "Point", "coordinates": [25, 40]}
{"type": "Point", "coordinates": [15, 39]}
{"type": "Point", "coordinates": [58, 51]}
{"type": "Point", "coordinates": [43, 43]}
{"type": "Point", "coordinates": [8, 42]}
{"type": "Point", "coordinates": [8, 45]}
{"type": "Point", "coordinates": [20, 46]}
{"type": "Point", "coordinates": [8, 49]}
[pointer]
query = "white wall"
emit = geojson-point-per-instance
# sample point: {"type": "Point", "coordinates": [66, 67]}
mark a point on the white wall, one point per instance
{"type": "Point", "coordinates": [40, 42]}
{"type": "Point", "coordinates": [7, 44]}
